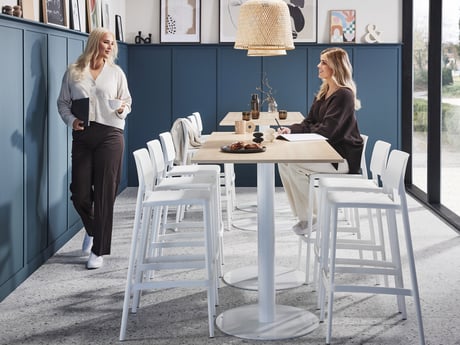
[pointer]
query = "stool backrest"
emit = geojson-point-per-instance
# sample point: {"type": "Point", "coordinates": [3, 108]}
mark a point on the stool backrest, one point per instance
{"type": "Point", "coordinates": [363, 157]}
{"type": "Point", "coordinates": [168, 149]}
{"type": "Point", "coordinates": [145, 170]}
{"type": "Point", "coordinates": [199, 121]}
{"type": "Point", "coordinates": [157, 159]}
{"type": "Point", "coordinates": [393, 175]}
{"type": "Point", "coordinates": [379, 159]}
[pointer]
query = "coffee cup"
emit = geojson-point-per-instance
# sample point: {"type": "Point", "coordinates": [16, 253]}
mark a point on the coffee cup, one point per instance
{"type": "Point", "coordinates": [240, 127]}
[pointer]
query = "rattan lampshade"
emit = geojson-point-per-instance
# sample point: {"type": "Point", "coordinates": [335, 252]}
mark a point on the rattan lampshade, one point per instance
{"type": "Point", "coordinates": [266, 52]}
{"type": "Point", "coordinates": [264, 25]}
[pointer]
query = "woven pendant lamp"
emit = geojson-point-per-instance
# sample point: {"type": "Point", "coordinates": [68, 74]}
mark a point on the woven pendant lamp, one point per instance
{"type": "Point", "coordinates": [266, 52]}
{"type": "Point", "coordinates": [264, 25]}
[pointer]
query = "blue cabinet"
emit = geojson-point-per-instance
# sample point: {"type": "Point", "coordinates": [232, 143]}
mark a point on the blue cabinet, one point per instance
{"type": "Point", "coordinates": [36, 214]}
{"type": "Point", "coordinates": [12, 158]}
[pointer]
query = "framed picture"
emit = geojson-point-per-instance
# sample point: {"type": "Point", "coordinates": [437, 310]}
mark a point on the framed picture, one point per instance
{"type": "Point", "coordinates": [27, 9]}
{"type": "Point", "coordinates": [93, 13]}
{"type": "Point", "coordinates": [118, 29]}
{"type": "Point", "coordinates": [75, 22]}
{"type": "Point", "coordinates": [303, 19]}
{"type": "Point", "coordinates": [107, 21]}
{"type": "Point", "coordinates": [180, 21]}
{"type": "Point", "coordinates": [342, 26]}
{"type": "Point", "coordinates": [54, 12]}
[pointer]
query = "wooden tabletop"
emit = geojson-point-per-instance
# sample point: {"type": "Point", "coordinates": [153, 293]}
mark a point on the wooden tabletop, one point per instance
{"type": "Point", "coordinates": [279, 151]}
{"type": "Point", "coordinates": [265, 119]}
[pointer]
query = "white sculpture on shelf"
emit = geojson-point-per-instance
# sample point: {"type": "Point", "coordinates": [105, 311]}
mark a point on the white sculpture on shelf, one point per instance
{"type": "Point", "coordinates": [372, 35]}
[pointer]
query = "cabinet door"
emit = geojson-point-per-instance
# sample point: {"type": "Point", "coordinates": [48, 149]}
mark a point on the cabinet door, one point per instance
{"type": "Point", "coordinates": [74, 49]}
{"type": "Point", "coordinates": [11, 153]}
{"type": "Point", "coordinates": [57, 151]}
{"type": "Point", "coordinates": [377, 76]}
{"type": "Point", "coordinates": [35, 141]}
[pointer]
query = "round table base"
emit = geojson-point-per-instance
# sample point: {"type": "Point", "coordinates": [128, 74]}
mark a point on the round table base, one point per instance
{"type": "Point", "coordinates": [246, 278]}
{"type": "Point", "coordinates": [290, 322]}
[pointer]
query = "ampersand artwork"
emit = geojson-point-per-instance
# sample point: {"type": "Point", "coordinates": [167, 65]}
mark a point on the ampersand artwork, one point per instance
{"type": "Point", "coordinates": [372, 36]}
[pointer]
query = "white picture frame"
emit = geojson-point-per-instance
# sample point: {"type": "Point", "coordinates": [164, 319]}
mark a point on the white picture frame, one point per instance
{"type": "Point", "coordinates": [180, 21]}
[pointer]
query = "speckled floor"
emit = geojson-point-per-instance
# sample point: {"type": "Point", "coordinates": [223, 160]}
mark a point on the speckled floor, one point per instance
{"type": "Point", "coordinates": [63, 303]}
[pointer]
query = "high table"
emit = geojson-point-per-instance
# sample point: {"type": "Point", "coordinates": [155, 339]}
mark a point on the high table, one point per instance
{"type": "Point", "coordinates": [246, 277]}
{"type": "Point", "coordinates": [265, 119]}
{"type": "Point", "coordinates": [266, 320]}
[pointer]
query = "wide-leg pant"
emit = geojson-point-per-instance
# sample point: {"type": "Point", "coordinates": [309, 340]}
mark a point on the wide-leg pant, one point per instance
{"type": "Point", "coordinates": [296, 180]}
{"type": "Point", "coordinates": [97, 154]}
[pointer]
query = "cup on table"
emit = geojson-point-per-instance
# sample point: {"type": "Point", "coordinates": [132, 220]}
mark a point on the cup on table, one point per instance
{"type": "Point", "coordinates": [240, 127]}
{"type": "Point", "coordinates": [246, 115]}
{"type": "Point", "coordinates": [282, 114]}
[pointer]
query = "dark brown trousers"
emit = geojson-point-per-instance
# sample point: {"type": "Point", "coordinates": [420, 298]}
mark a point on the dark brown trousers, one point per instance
{"type": "Point", "coordinates": [97, 154]}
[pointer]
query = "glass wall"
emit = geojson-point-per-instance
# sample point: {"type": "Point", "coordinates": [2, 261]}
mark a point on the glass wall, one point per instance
{"type": "Point", "coordinates": [450, 107]}
{"type": "Point", "coordinates": [439, 124]}
{"type": "Point", "coordinates": [420, 114]}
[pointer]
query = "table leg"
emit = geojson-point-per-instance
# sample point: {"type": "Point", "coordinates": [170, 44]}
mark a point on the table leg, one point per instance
{"type": "Point", "coordinates": [266, 320]}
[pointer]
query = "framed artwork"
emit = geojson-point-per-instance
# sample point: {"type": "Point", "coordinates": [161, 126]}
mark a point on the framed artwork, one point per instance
{"type": "Point", "coordinates": [27, 9]}
{"type": "Point", "coordinates": [75, 22]}
{"type": "Point", "coordinates": [342, 26]}
{"type": "Point", "coordinates": [54, 12]}
{"type": "Point", "coordinates": [93, 13]}
{"type": "Point", "coordinates": [107, 21]}
{"type": "Point", "coordinates": [180, 21]}
{"type": "Point", "coordinates": [303, 19]}
{"type": "Point", "coordinates": [118, 29]}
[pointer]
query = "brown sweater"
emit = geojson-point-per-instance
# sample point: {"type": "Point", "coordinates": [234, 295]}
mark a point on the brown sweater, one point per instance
{"type": "Point", "coordinates": [335, 119]}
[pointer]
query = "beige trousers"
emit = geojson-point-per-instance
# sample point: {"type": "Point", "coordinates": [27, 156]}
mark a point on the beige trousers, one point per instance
{"type": "Point", "coordinates": [296, 181]}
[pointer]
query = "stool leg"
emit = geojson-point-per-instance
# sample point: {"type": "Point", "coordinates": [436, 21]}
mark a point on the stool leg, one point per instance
{"type": "Point", "coordinates": [330, 302]}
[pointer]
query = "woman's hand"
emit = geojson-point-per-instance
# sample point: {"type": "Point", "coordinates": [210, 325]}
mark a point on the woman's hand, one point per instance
{"type": "Point", "coordinates": [284, 130]}
{"type": "Point", "coordinates": [122, 108]}
{"type": "Point", "coordinates": [78, 125]}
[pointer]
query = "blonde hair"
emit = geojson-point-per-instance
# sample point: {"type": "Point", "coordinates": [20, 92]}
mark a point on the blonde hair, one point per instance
{"type": "Point", "coordinates": [92, 52]}
{"type": "Point", "coordinates": [337, 59]}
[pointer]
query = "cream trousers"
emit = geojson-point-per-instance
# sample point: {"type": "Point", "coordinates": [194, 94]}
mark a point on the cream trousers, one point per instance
{"type": "Point", "coordinates": [296, 180]}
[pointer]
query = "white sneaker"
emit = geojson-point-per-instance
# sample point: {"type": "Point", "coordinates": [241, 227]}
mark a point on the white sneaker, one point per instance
{"type": "Point", "coordinates": [301, 228]}
{"type": "Point", "coordinates": [87, 245]}
{"type": "Point", "coordinates": [94, 261]}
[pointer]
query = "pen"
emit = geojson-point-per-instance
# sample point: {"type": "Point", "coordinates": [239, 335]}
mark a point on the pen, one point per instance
{"type": "Point", "coordinates": [278, 123]}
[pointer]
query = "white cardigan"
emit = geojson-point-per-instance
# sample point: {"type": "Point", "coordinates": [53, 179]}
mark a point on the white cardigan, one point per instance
{"type": "Point", "coordinates": [111, 84]}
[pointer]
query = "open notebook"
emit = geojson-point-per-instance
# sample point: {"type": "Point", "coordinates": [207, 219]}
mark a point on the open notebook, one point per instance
{"type": "Point", "coordinates": [301, 137]}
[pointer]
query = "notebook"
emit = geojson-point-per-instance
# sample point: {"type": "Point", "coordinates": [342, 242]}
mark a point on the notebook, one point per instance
{"type": "Point", "coordinates": [301, 137]}
{"type": "Point", "coordinates": [80, 109]}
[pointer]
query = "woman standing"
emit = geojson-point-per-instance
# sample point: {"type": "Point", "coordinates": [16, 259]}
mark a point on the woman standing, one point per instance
{"type": "Point", "coordinates": [332, 115]}
{"type": "Point", "coordinates": [97, 149]}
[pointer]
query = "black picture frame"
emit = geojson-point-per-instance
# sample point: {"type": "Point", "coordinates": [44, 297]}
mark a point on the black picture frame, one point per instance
{"type": "Point", "coordinates": [54, 12]}
{"type": "Point", "coordinates": [119, 28]}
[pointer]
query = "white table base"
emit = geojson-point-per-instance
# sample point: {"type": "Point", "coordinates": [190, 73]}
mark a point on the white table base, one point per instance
{"type": "Point", "coordinates": [247, 278]}
{"type": "Point", "coordinates": [289, 322]}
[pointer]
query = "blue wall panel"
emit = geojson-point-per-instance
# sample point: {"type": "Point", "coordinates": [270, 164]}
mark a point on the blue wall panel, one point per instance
{"type": "Point", "coordinates": [150, 85]}
{"type": "Point", "coordinates": [11, 153]}
{"type": "Point", "coordinates": [35, 144]}
{"type": "Point", "coordinates": [377, 75]}
{"type": "Point", "coordinates": [75, 47]}
{"type": "Point", "coordinates": [194, 84]}
{"type": "Point", "coordinates": [57, 152]}
{"type": "Point", "coordinates": [238, 76]}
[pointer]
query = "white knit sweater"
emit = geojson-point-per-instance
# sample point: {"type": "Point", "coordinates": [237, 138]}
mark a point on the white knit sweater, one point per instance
{"type": "Point", "coordinates": [111, 84]}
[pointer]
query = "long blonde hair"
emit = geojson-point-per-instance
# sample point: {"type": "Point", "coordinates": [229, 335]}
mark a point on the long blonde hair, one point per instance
{"type": "Point", "coordinates": [92, 52]}
{"type": "Point", "coordinates": [337, 59]}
